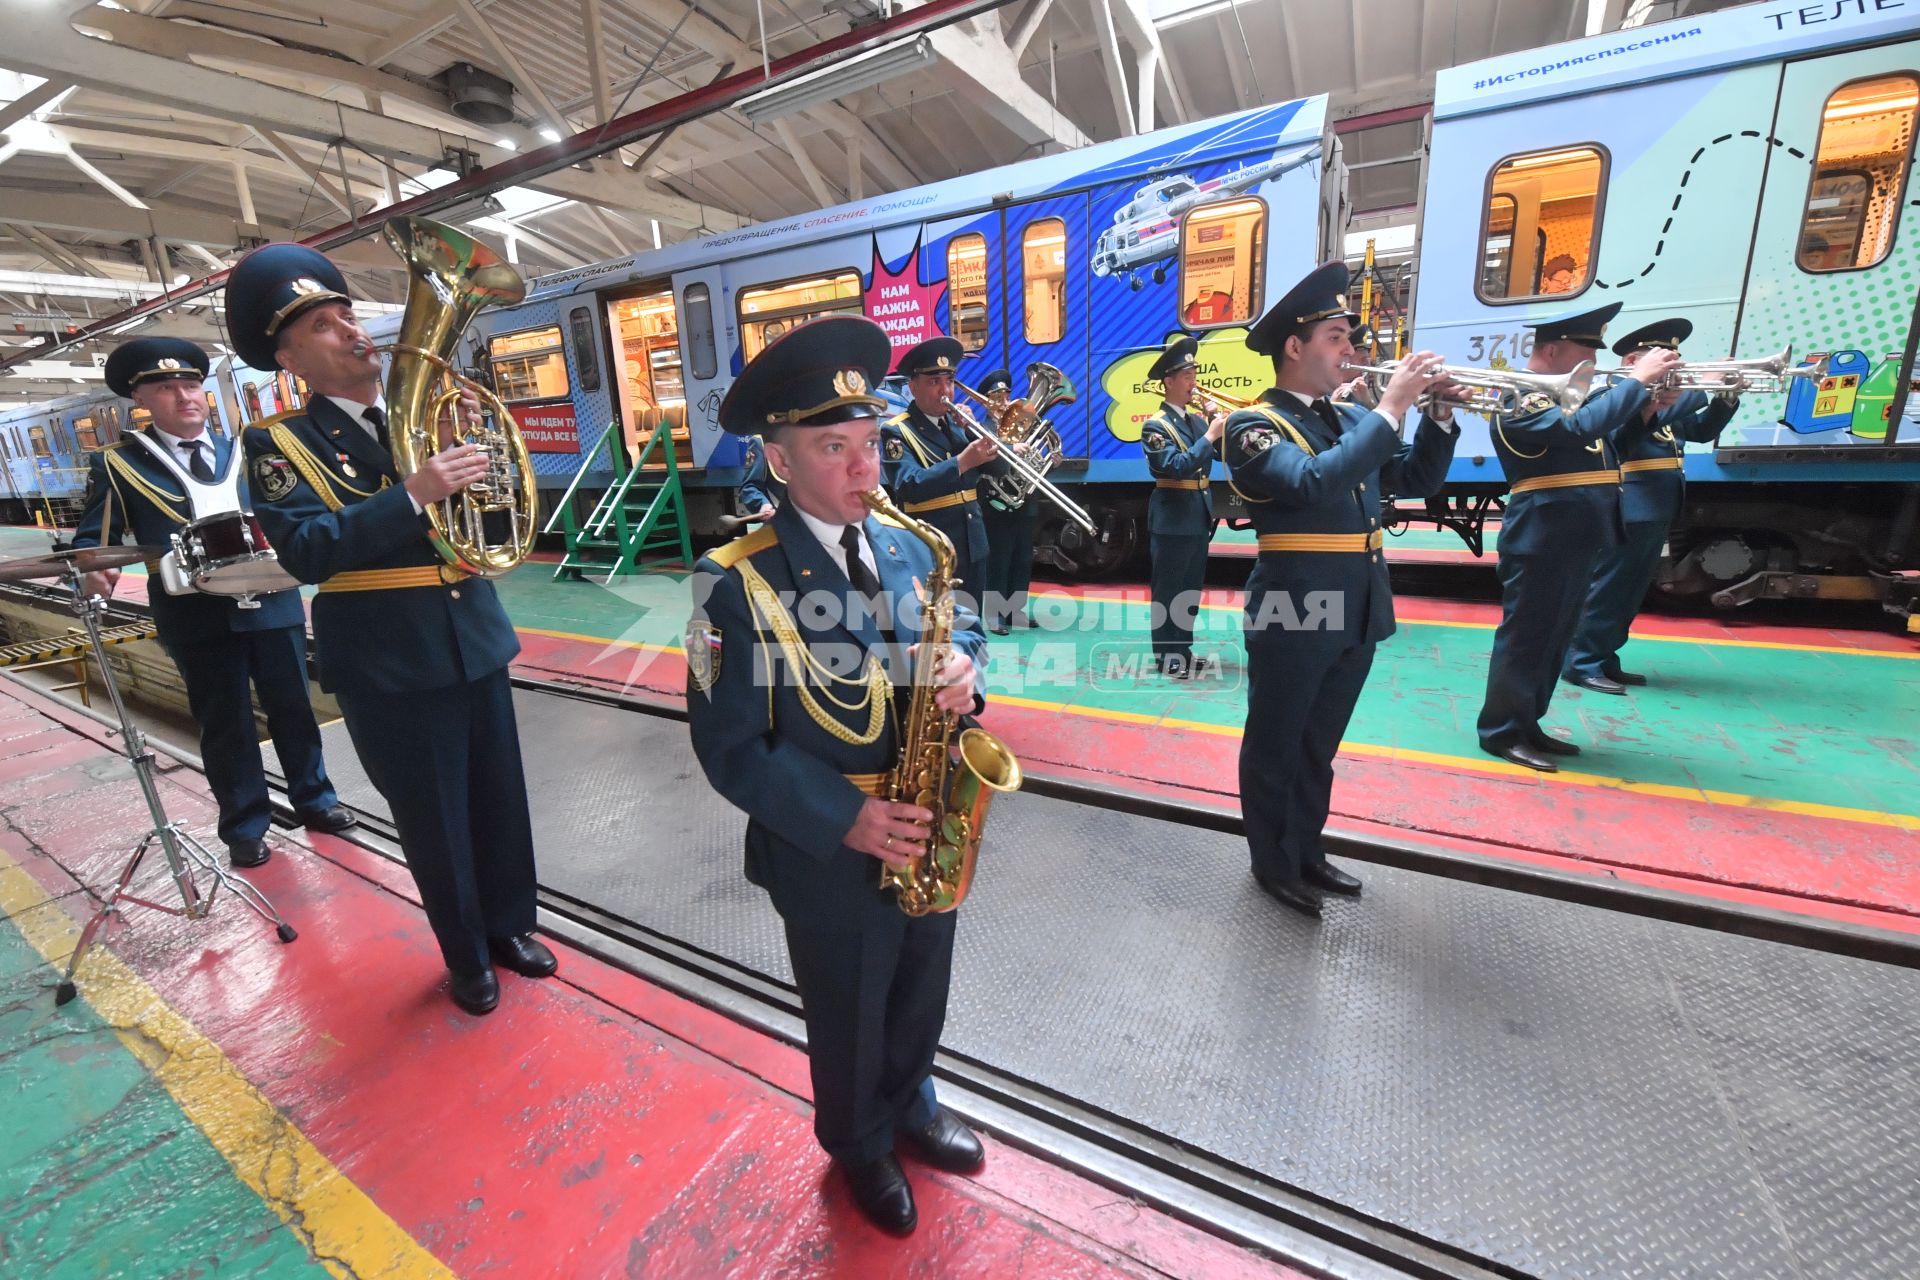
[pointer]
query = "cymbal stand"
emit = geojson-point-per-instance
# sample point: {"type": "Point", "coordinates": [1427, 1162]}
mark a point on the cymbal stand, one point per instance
{"type": "Point", "coordinates": [198, 874]}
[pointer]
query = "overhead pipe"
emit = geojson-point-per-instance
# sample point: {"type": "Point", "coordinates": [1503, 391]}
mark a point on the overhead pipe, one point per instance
{"type": "Point", "coordinates": [627, 129]}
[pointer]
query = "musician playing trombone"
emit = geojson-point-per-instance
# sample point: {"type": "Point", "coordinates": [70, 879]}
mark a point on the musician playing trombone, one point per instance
{"type": "Point", "coordinates": [931, 459]}
{"type": "Point", "coordinates": [1651, 447]}
{"type": "Point", "coordinates": [1315, 475]}
{"type": "Point", "coordinates": [1563, 512]}
{"type": "Point", "coordinates": [1179, 444]}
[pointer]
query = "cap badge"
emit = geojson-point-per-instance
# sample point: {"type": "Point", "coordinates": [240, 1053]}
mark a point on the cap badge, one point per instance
{"type": "Point", "coordinates": [942, 363]}
{"type": "Point", "coordinates": [169, 363]}
{"type": "Point", "coordinates": [850, 382]}
{"type": "Point", "coordinates": [305, 285]}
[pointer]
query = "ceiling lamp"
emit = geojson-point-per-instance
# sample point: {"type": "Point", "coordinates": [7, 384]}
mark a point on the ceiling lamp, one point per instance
{"type": "Point", "coordinates": [836, 81]}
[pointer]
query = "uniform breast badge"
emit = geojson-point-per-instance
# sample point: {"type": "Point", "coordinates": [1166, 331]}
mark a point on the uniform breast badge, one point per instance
{"type": "Point", "coordinates": [702, 644]}
{"type": "Point", "coordinates": [273, 475]}
{"type": "Point", "coordinates": [896, 448]}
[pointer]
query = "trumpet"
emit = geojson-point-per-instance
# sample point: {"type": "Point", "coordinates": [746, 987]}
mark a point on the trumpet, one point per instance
{"type": "Point", "coordinates": [1766, 375]}
{"type": "Point", "coordinates": [1493, 390]}
{"type": "Point", "coordinates": [1035, 478]}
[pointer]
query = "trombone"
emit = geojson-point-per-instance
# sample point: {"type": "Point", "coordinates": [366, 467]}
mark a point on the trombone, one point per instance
{"type": "Point", "coordinates": [1492, 391]}
{"type": "Point", "coordinates": [1034, 477]}
{"type": "Point", "coordinates": [1764, 375]}
{"type": "Point", "coordinates": [1214, 401]}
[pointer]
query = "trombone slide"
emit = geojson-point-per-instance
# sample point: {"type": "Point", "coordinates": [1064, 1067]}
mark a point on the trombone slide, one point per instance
{"type": "Point", "coordinates": [1027, 471]}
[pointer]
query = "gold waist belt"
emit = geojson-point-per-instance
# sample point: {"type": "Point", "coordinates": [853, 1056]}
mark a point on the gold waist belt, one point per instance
{"type": "Point", "coordinates": [1181, 484]}
{"type": "Point", "coordinates": [935, 504]}
{"type": "Point", "coordinates": [1321, 541]}
{"type": "Point", "coordinates": [1566, 480]}
{"type": "Point", "coordinates": [1654, 464]}
{"type": "Point", "coordinates": [425, 575]}
{"type": "Point", "coordinates": [872, 784]}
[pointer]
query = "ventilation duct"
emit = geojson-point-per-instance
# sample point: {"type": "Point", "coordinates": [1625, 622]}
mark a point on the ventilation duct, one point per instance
{"type": "Point", "coordinates": [479, 96]}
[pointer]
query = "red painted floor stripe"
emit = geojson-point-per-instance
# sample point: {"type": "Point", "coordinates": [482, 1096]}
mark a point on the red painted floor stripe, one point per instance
{"type": "Point", "coordinates": [591, 1126]}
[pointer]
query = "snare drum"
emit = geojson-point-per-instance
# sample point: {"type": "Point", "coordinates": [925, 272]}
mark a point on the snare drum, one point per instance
{"type": "Point", "coordinates": [228, 555]}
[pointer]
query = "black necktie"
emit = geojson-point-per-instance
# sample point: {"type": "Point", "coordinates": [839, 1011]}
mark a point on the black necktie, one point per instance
{"type": "Point", "coordinates": [197, 461]}
{"type": "Point", "coordinates": [377, 419]}
{"type": "Point", "coordinates": [860, 576]}
{"type": "Point", "coordinates": [1327, 415]}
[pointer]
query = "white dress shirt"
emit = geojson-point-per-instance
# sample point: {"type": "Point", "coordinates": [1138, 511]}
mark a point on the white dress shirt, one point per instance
{"type": "Point", "coordinates": [184, 449]}
{"type": "Point", "coordinates": [830, 534]}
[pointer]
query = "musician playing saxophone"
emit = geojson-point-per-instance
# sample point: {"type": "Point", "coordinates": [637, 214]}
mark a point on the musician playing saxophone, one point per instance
{"type": "Point", "coordinates": [793, 656]}
{"type": "Point", "coordinates": [415, 652]}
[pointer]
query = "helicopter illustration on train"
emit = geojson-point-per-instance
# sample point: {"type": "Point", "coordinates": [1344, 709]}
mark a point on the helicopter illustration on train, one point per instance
{"type": "Point", "coordinates": [1146, 229]}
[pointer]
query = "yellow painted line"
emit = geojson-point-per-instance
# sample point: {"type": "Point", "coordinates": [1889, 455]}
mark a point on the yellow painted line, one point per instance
{"type": "Point", "coordinates": [1501, 768]}
{"type": "Point", "coordinates": [602, 641]}
{"type": "Point", "coordinates": [340, 1225]}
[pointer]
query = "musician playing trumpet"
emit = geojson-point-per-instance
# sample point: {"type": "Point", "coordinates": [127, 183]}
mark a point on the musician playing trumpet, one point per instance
{"type": "Point", "coordinates": [1180, 446]}
{"type": "Point", "coordinates": [932, 461]}
{"type": "Point", "coordinates": [1651, 447]}
{"type": "Point", "coordinates": [1562, 513]}
{"type": "Point", "coordinates": [1316, 476]}
{"type": "Point", "coordinates": [795, 721]}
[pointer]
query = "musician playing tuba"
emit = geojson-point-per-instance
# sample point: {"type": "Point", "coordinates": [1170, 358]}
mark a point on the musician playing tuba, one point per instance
{"type": "Point", "coordinates": [796, 719]}
{"type": "Point", "coordinates": [415, 651]}
{"type": "Point", "coordinates": [1010, 530]}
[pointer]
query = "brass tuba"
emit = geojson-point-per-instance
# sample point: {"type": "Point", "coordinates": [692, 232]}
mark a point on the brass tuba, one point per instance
{"type": "Point", "coordinates": [487, 528]}
{"type": "Point", "coordinates": [927, 775]}
{"type": "Point", "coordinates": [1023, 421]}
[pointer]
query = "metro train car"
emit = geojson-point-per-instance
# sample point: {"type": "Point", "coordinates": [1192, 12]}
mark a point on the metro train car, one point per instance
{"type": "Point", "coordinates": [1747, 169]}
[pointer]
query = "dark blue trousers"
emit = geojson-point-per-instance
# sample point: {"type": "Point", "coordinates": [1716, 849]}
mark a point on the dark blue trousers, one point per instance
{"type": "Point", "coordinates": [1179, 568]}
{"type": "Point", "coordinates": [874, 991]}
{"type": "Point", "coordinates": [448, 763]}
{"type": "Point", "coordinates": [1541, 599]}
{"type": "Point", "coordinates": [1620, 583]}
{"type": "Point", "coordinates": [217, 669]}
{"type": "Point", "coordinates": [1009, 568]}
{"type": "Point", "coordinates": [1299, 701]}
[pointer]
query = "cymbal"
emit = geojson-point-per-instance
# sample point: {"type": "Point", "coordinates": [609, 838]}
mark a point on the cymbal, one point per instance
{"type": "Point", "coordinates": [53, 564]}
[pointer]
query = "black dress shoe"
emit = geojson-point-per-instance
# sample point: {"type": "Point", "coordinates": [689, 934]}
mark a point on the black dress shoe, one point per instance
{"type": "Point", "coordinates": [332, 821]}
{"type": "Point", "coordinates": [248, 853]}
{"type": "Point", "coordinates": [1000, 627]}
{"type": "Point", "coordinates": [1292, 893]}
{"type": "Point", "coordinates": [1323, 875]}
{"type": "Point", "coordinates": [523, 953]}
{"type": "Point", "coordinates": [1551, 745]}
{"type": "Point", "coordinates": [1529, 755]}
{"type": "Point", "coordinates": [1599, 684]}
{"type": "Point", "coordinates": [477, 993]}
{"type": "Point", "coordinates": [883, 1193]}
{"type": "Point", "coordinates": [1629, 677]}
{"type": "Point", "coordinates": [946, 1143]}
{"type": "Point", "coordinates": [1024, 620]}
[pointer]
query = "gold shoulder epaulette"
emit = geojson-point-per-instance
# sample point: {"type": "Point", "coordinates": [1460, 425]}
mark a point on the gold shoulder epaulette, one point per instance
{"type": "Point", "coordinates": [266, 423]}
{"type": "Point", "coordinates": [898, 418]}
{"type": "Point", "coordinates": [745, 545]}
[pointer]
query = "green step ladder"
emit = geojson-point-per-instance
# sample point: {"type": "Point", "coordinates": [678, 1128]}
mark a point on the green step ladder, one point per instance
{"type": "Point", "coordinates": [640, 514]}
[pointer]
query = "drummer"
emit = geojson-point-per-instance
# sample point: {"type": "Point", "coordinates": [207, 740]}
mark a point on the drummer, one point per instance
{"type": "Point", "coordinates": [139, 485]}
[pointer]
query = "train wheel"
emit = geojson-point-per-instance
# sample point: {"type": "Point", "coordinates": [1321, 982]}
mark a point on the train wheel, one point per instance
{"type": "Point", "coordinates": [1090, 557]}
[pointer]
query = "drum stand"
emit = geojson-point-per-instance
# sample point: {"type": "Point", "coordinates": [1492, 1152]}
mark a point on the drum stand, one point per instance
{"type": "Point", "coordinates": [196, 873]}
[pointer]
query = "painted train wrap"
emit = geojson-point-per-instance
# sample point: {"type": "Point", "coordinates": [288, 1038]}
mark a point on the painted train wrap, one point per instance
{"type": "Point", "coordinates": [1746, 170]}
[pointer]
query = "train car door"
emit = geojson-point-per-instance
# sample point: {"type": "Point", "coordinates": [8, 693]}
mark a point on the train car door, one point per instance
{"type": "Point", "coordinates": [1835, 254]}
{"type": "Point", "coordinates": [649, 385]}
{"type": "Point", "coordinates": [1046, 255]}
{"type": "Point", "coordinates": [972, 309]}
{"type": "Point", "coordinates": [705, 368]}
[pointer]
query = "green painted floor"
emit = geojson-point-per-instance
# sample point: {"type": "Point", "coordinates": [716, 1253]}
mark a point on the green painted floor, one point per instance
{"type": "Point", "coordinates": [101, 1175]}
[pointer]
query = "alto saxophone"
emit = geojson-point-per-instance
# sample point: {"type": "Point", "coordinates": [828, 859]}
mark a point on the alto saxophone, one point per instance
{"type": "Point", "coordinates": [957, 791]}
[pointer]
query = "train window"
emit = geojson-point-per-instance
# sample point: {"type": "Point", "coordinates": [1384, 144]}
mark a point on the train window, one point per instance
{"type": "Point", "coordinates": [770, 310]}
{"type": "Point", "coordinates": [1540, 224]}
{"type": "Point", "coordinates": [141, 418]}
{"type": "Point", "coordinates": [1222, 246]}
{"type": "Point", "coordinates": [698, 303]}
{"type": "Point", "coordinates": [38, 437]}
{"type": "Point", "coordinates": [1859, 174]}
{"type": "Point", "coordinates": [967, 289]}
{"type": "Point", "coordinates": [1043, 251]}
{"type": "Point", "coordinates": [250, 392]}
{"type": "Point", "coordinates": [586, 354]}
{"type": "Point", "coordinates": [84, 433]}
{"type": "Point", "coordinates": [214, 422]}
{"type": "Point", "coordinates": [528, 365]}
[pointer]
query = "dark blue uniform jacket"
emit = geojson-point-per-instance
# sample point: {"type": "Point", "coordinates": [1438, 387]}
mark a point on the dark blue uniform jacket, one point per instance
{"type": "Point", "coordinates": [360, 517]}
{"type": "Point", "coordinates": [150, 504]}
{"type": "Point", "coordinates": [923, 464]}
{"type": "Point", "coordinates": [1301, 477]}
{"type": "Point", "coordinates": [762, 741]}
{"type": "Point", "coordinates": [1653, 480]}
{"type": "Point", "coordinates": [1541, 443]}
{"type": "Point", "coordinates": [1175, 442]}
